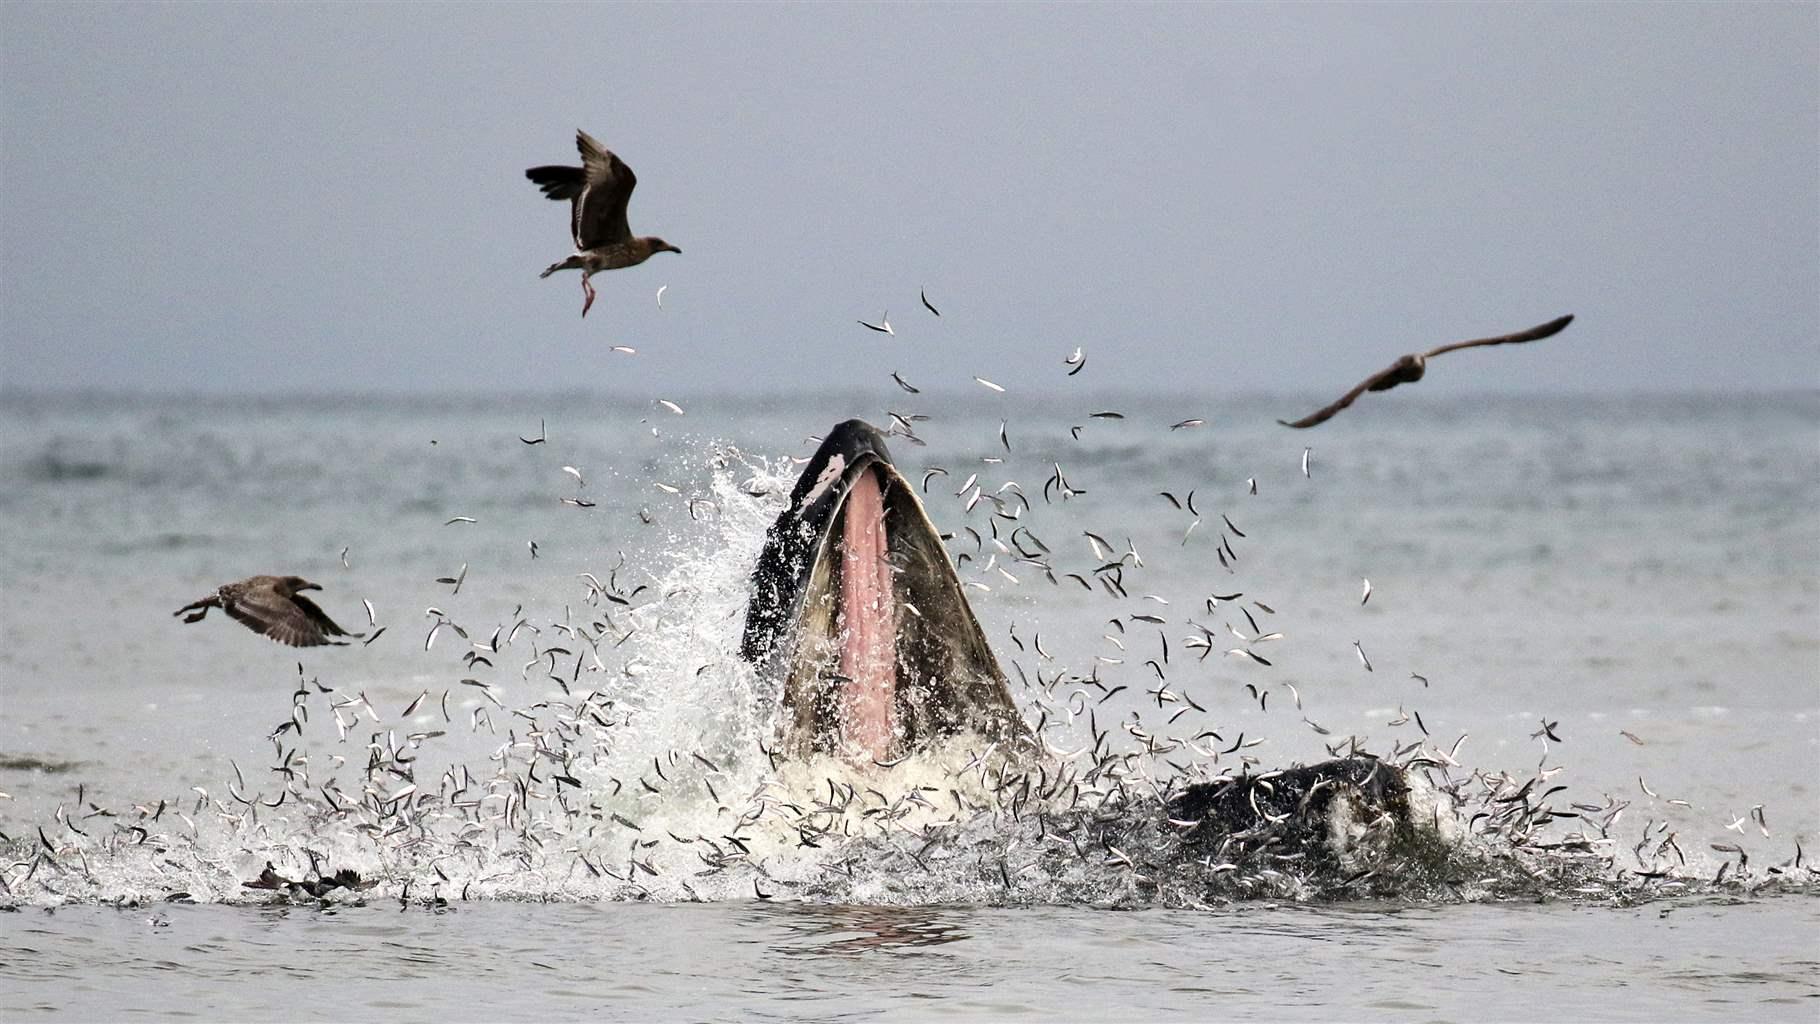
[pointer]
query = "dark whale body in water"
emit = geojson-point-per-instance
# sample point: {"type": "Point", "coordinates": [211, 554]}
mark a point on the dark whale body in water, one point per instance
{"type": "Point", "coordinates": [1326, 814]}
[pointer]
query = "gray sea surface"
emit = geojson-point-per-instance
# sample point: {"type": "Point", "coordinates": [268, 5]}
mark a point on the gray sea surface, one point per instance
{"type": "Point", "coordinates": [1639, 574]}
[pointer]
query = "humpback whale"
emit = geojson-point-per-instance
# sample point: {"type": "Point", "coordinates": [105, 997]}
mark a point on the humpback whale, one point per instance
{"type": "Point", "coordinates": [857, 613]}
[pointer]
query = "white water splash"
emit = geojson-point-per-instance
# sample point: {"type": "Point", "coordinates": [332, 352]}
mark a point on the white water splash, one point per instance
{"type": "Point", "coordinates": [644, 775]}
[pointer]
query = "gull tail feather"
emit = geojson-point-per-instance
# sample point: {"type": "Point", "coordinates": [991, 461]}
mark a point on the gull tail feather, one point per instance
{"type": "Point", "coordinates": [572, 263]}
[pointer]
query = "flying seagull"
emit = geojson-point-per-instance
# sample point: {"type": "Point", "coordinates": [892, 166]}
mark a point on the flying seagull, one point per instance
{"type": "Point", "coordinates": [600, 189]}
{"type": "Point", "coordinates": [1411, 367]}
{"type": "Point", "coordinates": [272, 605]}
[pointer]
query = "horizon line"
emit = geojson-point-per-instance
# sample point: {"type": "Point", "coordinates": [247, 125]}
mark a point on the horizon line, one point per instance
{"type": "Point", "coordinates": [12, 392]}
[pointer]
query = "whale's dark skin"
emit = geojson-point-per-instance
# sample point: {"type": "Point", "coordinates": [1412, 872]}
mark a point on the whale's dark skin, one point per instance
{"type": "Point", "coordinates": [940, 675]}
{"type": "Point", "coordinates": [1291, 810]}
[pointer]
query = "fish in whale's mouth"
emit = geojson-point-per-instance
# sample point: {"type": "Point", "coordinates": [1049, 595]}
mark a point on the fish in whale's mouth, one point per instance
{"type": "Point", "coordinates": [857, 612]}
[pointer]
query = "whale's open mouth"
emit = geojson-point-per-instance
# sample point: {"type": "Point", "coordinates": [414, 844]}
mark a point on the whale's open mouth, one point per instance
{"type": "Point", "coordinates": [856, 610]}
{"type": "Point", "coordinates": [865, 621]}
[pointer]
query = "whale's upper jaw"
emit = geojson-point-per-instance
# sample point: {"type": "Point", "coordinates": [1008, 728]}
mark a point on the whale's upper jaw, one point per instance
{"type": "Point", "coordinates": [804, 627]}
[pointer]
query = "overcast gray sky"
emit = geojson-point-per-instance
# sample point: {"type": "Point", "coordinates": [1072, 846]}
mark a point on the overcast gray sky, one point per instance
{"type": "Point", "coordinates": [280, 198]}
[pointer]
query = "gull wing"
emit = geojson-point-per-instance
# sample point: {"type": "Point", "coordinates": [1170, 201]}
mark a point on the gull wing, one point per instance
{"type": "Point", "coordinates": [1535, 333]}
{"type": "Point", "coordinates": [264, 611]}
{"type": "Point", "coordinates": [559, 183]}
{"type": "Point", "coordinates": [319, 617]}
{"type": "Point", "coordinates": [1380, 381]}
{"type": "Point", "coordinates": [600, 207]}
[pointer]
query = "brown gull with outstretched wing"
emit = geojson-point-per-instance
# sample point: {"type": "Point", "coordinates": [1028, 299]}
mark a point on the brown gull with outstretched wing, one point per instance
{"type": "Point", "coordinates": [599, 190]}
{"type": "Point", "coordinates": [1410, 368]}
{"type": "Point", "coordinates": [273, 606]}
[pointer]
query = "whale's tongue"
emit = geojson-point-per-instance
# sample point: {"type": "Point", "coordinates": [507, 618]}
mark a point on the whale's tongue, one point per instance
{"type": "Point", "coordinates": [866, 702]}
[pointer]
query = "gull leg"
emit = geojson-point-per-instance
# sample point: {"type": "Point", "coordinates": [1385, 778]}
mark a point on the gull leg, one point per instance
{"type": "Point", "coordinates": [198, 609]}
{"type": "Point", "coordinates": [588, 290]}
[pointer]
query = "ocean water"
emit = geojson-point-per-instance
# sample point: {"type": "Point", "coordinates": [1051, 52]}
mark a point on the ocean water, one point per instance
{"type": "Point", "coordinates": [1642, 575]}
